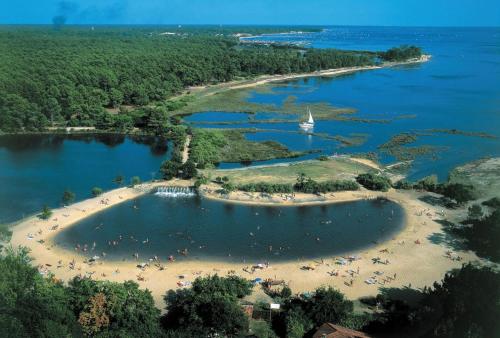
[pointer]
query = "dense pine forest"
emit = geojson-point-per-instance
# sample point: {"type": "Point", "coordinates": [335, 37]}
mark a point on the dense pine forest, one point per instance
{"type": "Point", "coordinates": [76, 75]}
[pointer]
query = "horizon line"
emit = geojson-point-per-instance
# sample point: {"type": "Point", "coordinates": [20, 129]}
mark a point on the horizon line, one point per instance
{"type": "Point", "coordinates": [245, 24]}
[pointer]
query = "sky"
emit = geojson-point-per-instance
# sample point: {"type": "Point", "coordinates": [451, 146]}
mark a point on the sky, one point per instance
{"type": "Point", "coordinates": [274, 12]}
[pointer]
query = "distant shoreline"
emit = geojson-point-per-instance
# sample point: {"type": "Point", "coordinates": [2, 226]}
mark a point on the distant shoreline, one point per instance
{"type": "Point", "coordinates": [207, 90]}
{"type": "Point", "coordinates": [264, 79]}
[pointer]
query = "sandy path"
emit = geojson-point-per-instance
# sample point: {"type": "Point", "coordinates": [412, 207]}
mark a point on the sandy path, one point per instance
{"type": "Point", "coordinates": [185, 151]}
{"type": "Point", "coordinates": [366, 162]}
{"type": "Point", "coordinates": [413, 263]}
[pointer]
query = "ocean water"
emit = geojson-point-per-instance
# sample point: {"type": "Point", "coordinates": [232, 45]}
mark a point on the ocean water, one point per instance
{"type": "Point", "coordinates": [458, 89]}
{"type": "Point", "coordinates": [212, 230]}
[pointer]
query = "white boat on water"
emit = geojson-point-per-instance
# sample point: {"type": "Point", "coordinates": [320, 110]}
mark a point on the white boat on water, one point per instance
{"type": "Point", "coordinates": [309, 124]}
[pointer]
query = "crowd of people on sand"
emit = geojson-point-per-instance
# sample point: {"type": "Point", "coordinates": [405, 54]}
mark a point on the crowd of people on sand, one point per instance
{"type": "Point", "coordinates": [350, 275]}
{"type": "Point", "coordinates": [453, 256]}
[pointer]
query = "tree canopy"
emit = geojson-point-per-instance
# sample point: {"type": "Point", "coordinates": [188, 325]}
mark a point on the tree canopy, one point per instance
{"type": "Point", "coordinates": [80, 77]}
{"type": "Point", "coordinates": [210, 306]}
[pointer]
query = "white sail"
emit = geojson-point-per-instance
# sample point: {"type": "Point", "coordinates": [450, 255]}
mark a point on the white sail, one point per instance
{"type": "Point", "coordinates": [310, 120]}
{"type": "Point", "coordinates": [309, 124]}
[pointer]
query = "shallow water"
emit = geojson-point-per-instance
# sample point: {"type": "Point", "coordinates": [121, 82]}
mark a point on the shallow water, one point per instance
{"type": "Point", "coordinates": [212, 230]}
{"type": "Point", "coordinates": [458, 89]}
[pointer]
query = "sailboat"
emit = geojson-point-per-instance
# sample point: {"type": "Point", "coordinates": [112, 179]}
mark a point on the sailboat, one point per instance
{"type": "Point", "coordinates": [309, 124]}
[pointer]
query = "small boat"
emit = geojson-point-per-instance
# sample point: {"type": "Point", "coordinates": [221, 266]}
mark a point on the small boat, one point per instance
{"type": "Point", "coordinates": [309, 124]}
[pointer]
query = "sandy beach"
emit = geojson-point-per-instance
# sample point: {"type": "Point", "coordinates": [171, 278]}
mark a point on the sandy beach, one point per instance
{"type": "Point", "coordinates": [264, 79]}
{"type": "Point", "coordinates": [416, 257]}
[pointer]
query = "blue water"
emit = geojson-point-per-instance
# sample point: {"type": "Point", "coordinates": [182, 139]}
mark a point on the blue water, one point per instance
{"type": "Point", "coordinates": [458, 89]}
{"type": "Point", "coordinates": [223, 231]}
{"type": "Point", "coordinates": [36, 169]}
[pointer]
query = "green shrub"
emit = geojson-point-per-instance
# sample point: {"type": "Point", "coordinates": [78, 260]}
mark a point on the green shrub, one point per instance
{"type": "Point", "coordinates": [309, 186]}
{"type": "Point", "coordinates": [374, 182]}
{"type": "Point", "coordinates": [403, 184]}
{"type": "Point", "coordinates": [46, 213]}
{"type": "Point", "coordinates": [492, 202]}
{"type": "Point", "coordinates": [211, 305]}
{"type": "Point", "coordinates": [135, 180]}
{"type": "Point", "coordinates": [459, 192]}
{"type": "Point", "coordinates": [200, 180]}
{"type": "Point", "coordinates": [228, 187]}
{"type": "Point", "coordinates": [270, 188]}
{"type": "Point", "coordinates": [68, 197]}
{"type": "Point", "coordinates": [188, 170]}
{"type": "Point", "coordinates": [401, 53]}
{"type": "Point", "coordinates": [169, 169]}
{"type": "Point", "coordinates": [96, 191]}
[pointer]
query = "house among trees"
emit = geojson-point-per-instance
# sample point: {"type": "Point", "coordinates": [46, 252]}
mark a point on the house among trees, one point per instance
{"type": "Point", "coordinates": [329, 330]}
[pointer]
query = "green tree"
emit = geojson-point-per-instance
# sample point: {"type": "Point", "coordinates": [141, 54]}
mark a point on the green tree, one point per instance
{"type": "Point", "coordinates": [53, 109]}
{"type": "Point", "coordinates": [261, 329]}
{"type": "Point", "coordinates": [492, 203]}
{"type": "Point", "coordinates": [228, 187]}
{"type": "Point", "coordinates": [115, 97]}
{"type": "Point", "coordinates": [30, 305]}
{"type": "Point", "coordinates": [483, 234]}
{"type": "Point", "coordinates": [297, 323]}
{"type": "Point", "coordinates": [464, 304]}
{"type": "Point", "coordinates": [286, 292]}
{"type": "Point", "coordinates": [189, 170]}
{"type": "Point", "coordinates": [135, 180]}
{"type": "Point", "coordinates": [461, 193]}
{"type": "Point", "coordinates": [328, 306]}
{"type": "Point", "coordinates": [96, 191]}
{"type": "Point", "coordinates": [374, 182]}
{"type": "Point", "coordinates": [46, 213]}
{"type": "Point", "coordinates": [401, 53]}
{"type": "Point", "coordinates": [68, 197]}
{"type": "Point", "coordinates": [429, 183]}
{"type": "Point", "coordinates": [231, 285]}
{"type": "Point", "coordinates": [169, 169]}
{"type": "Point", "coordinates": [200, 180]}
{"type": "Point", "coordinates": [111, 309]}
{"type": "Point", "coordinates": [475, 212]}
{"type": "Point", "coordinates": [210, 306]}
